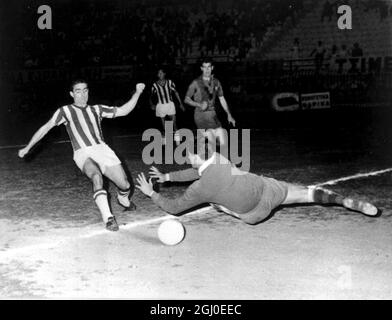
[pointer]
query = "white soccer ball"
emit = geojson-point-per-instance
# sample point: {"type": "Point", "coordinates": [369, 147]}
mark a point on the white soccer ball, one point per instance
{"type": "Point", "coordinates": [171, 232]}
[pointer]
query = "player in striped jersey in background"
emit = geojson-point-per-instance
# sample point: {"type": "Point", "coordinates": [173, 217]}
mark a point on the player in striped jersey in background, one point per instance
{"type": "Point", "coordinates": [91, 154]}
{"type": "Point", "coordinates": [162, 91]}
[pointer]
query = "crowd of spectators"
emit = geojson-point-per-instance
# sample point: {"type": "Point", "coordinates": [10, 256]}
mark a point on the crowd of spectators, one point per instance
{"type": "Point", "coordinates": [89, 33]}
{"type": "Point", "coordinates": [326, 57]}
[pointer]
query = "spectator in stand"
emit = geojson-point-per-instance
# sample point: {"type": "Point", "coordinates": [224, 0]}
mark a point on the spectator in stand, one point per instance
{"type": "Point", "coordinates": [343, 52]}
{"type": "Point", "coordinates": [332, 58]}
{"type": "Point", "coordinates": [356, 51]}
{"type": "Point", "coordinates": [327, 11]}
{"type": "Point", "coordinates": [295, 54]}
{"type": "Point", "coordinates": [318, 53]}
{"type": "Point", "coordinates": [295, 49]}
{"type": "Point", "coordinates": [383, 8]}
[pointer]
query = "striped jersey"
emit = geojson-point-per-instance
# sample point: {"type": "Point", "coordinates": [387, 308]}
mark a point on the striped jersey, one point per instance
{"type": "Point", "coordinates": [83, 124]}
{"type": "Point", "coordinates": [164, 92]}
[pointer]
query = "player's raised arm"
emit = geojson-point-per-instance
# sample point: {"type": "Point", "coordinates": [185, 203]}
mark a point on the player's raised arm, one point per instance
{"type": "Point", "coordinates": [131, 104]}
{"type": "Point", "coordinates": [38, 135]}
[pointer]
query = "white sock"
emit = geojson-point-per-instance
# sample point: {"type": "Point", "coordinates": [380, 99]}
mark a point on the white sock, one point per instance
{"type": "Point", "coordinates": [310, 193]}
{"type": "Point", "coordinates": [101, 199]}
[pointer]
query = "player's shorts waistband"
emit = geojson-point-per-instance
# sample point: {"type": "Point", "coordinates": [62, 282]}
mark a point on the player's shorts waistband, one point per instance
{"type": "Point", "coordinates": [97, 145]}
{"type": "Point", "coordinates": [167, 104]}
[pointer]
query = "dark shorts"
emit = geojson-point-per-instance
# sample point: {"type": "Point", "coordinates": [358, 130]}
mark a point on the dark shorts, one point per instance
{"type": "Point", "coordinates": [273, 195]}
{"type": "Point", "coordinates": [207, 120]}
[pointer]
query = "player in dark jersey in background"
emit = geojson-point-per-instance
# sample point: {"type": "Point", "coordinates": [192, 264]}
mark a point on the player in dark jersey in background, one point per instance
{"type": "Point", "coordinates": [201, 94]}
{"type": "Point", "coordinates": [162, 91]}
{"type": "Point", "coordinates": [91, 154]}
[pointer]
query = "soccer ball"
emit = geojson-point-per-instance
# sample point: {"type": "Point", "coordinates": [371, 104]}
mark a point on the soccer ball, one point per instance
{"type": "Point", "coordinates": [171, 232]}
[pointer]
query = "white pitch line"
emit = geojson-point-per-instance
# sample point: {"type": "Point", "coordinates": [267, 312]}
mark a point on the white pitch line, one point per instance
{"type": "Point", "coordinates": [13, 146]}
{"type": "Point", "coordinates": [12, 252]}
{"type": "Point", "coordinates": [45, 246]}
{"type": "Point", "coordinates": [66, 141]}
{"type": "Point", "coordinates": [355, 176]}
{"type": "Point", "coordinates": [149, 221]}
{"type": "Point", "coordinates": [61, 141]}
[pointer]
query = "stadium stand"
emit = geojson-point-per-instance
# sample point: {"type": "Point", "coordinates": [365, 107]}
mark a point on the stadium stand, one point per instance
{"type": "Point", "coordinates": [119, 33]}
{"type": "Point", "coordinates": [254, 48]}
{"type": "Point", "coordinates": [372, 22]}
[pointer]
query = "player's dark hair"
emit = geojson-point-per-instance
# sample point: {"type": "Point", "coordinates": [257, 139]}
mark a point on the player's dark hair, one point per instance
{"type": "Point", "coordinates": [163, 69]}
{"type": "Point", "coordinates": [207, 60]}
{"type": "Point", "coordinates": [75, 82]}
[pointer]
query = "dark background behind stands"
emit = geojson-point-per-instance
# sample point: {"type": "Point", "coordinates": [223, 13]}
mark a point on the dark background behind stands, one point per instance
{"type": "Point", "coordinates": [115, 44]}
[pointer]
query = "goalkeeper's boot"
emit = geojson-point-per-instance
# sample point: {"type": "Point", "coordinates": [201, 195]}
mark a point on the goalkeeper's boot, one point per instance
{"type": "Point", "coordinates": [364, 207]}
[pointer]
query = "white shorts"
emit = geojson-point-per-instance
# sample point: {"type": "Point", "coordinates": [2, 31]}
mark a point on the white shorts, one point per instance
{"type": "Point", "coordinates": [165, 109]}
{"type": "Point", "coordinates": [99, 153]}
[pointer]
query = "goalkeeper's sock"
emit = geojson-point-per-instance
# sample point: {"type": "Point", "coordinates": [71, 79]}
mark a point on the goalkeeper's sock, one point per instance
{"type": "Point", "coordinates": [320, 195]}
{"type": "Point", "coordinates": [101, 199]}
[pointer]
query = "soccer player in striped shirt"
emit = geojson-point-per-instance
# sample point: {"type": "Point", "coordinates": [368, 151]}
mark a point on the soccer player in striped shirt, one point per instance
{"type": "Point", "coordinates": [244, 195]}
{"type": "Point", "coordinates": [201, 95]}
{"type": "Point", "coordinates": [91, 154]}
{"type": "Point", "coordinates": [162, 91]}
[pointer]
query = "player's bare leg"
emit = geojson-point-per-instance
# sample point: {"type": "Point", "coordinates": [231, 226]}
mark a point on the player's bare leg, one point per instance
{"type": "Point", "coordinates": [124, 188]}
{"type": "Point", "coordinates": [163, 130]}
{"type": "Point", "coordinates": [302, 194]}
{"type": "Point", "coordinates": [221, 134]}
{"type": "Point", "coordinates": [209, 134]}
{"type": "Point", "coordinates": [176, 134]}
{"type": "Point", "coordinates": [92, 171]}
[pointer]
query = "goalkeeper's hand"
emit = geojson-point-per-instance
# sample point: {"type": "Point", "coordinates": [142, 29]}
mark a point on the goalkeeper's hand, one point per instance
{"type": "Point", "coordinates": [156, 174]}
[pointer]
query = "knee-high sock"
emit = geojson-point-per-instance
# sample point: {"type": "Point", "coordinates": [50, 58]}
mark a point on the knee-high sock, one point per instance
{"type": "Point", "coordinates": [177, 137]}
{"type": "Point", "coordinates": [101, 199]}
{"type": "Point", "coordinates": [320, 195]}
